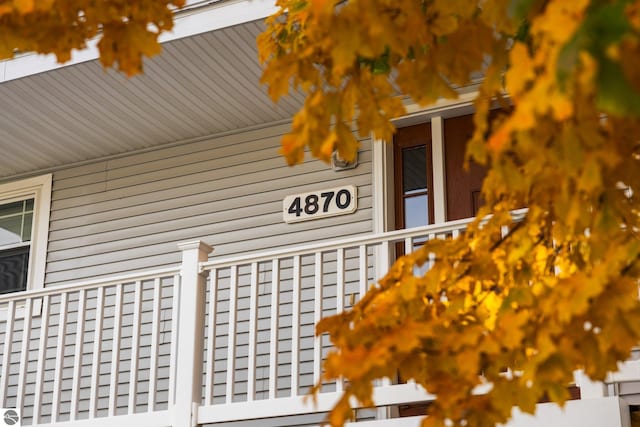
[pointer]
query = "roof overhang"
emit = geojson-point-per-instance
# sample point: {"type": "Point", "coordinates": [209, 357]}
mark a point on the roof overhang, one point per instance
{"type": "Point", "coordinates": [204, 83]}
{"type": "Point", "coordinates": [195, 18]}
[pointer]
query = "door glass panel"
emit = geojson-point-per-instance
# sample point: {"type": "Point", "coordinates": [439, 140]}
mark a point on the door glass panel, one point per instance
{"type": "Point", "coordinates": [414, 169]}
{"type": "Point", "coordinates": [416, 211]}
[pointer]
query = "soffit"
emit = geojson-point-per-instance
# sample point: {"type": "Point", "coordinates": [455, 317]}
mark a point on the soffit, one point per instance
{"type": "Point", "coordinates": [201, 85]}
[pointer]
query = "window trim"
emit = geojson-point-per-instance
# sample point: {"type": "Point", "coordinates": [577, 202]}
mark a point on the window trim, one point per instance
{"type": "Point", "coordinates": [39, 188]}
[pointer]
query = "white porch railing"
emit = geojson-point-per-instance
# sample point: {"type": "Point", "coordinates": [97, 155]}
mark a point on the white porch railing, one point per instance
{"type": "Point", "coordinates": [90, 351]}
{"type": "Point", "coordinates": [205, 342]}
{"type": "Point", "coordinates": [261, 353]}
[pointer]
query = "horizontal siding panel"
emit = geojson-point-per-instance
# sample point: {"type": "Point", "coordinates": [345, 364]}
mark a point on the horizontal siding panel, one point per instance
{"type": "Point", "coordinates": [108, 236]}
{"type": "Point", "coordinates": [201, 145]}
{"type": "Point", "coordinates": [217, 232]}
{"type": "Point", "coordinates": [133, 210]}
{"type": "Point", "coordinates": [174, 203]}
{"type": "Point", "coordinates": [226, 177]}
{"type": "Point", "coordinates": [247, 237]}
{"type": "Point", "coordinates": [165, 256]}
{"type": "Point", "coordinates": [116, 179]}
{"type": "Point", "coordinates": [95, 170]}
{"type": "Point", "coordinates": [225, 201]}
{"type": "Point", "coordinates": [204, 149]}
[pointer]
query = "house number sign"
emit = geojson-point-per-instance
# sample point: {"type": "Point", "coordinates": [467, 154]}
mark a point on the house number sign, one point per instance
{"type": "Point", "coordinates": [320, 204]}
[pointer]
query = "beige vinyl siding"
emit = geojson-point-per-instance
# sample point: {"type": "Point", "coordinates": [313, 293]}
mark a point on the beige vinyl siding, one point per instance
{"type": "Point", "coordinates": [128, 214]}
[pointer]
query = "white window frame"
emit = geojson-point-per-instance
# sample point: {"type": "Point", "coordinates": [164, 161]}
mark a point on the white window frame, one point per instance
{"type": "Point", "coordinates": [38, 188]}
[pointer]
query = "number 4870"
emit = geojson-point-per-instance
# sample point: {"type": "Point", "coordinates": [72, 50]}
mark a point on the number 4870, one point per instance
{"type": "Point", "coordinates": [312, 203]}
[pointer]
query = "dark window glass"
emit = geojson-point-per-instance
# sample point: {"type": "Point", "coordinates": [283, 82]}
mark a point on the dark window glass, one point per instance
{"type": "Point", "coordinates": [13, 208]}
{"type": "Point", "coordinates": [414, 169]}
{"type": "Point", "coordinates": [14, 264]}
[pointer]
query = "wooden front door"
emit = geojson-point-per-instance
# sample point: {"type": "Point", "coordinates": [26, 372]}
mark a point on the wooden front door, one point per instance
{"type": "Point", "coordinates": [463, 186]}
{"type": "Point", "coordinates": [413, 174]}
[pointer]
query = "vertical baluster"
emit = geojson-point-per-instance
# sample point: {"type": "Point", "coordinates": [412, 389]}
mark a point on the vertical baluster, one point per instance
{"type": "Point", "coordinates": [115, 352]}
{"type": "Point", "coordinates": [363, 270]}
{"type": "Point", "coordinates": [175, 313]}
{"type": "Point", "coordinates": [42, 354]}
{"type": "Point", "coordinates": [295, 327]}
{"type": "Point", "coordinates": [384, 257]}
{"type": "Point", "coordinates": [408, 245]}
{"type": "Point", "coordinates": [231, 346]}
{"type": "Point", "coordinates": [96, 353]}
{"type": "Point", "coordinates": [77, 358]}
{"type": "Point", "coordinates": [340, 296]}
{"type": "Point", "coordinates": [211, 337]}
{"type": "Point", "coordinates": [317, 315]}
{"type": "Point", "coordinates": [340, 280]}
{"type": "Point", "coordinates": [24, 352]}
{"type": "Point", "coordinates": [135, 347]}
{"type": "Point", "coordinates": [455, 233]}
{"type": "Point", "coordinates": [57, 378]}
{"type": "Point", "coordinates": [432, 256]}
{"type": "Point", "coordinates": [155, 339]}
{"type": "Point", "coordinates": [8, 340]}
{"type": "Point", "coordinates": [273, 336]}
{"type": "Point", "coordinates": [253, 320]}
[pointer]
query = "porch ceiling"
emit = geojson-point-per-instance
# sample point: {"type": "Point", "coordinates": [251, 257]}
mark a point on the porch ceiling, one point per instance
{"type": "Point", "coordinates": [200, 85]}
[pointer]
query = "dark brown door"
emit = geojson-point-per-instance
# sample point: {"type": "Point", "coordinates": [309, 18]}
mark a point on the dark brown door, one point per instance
{"type": "Point", "coordinates": [413, 177]}
{"type": "Point", "coordinates": [463, 186]}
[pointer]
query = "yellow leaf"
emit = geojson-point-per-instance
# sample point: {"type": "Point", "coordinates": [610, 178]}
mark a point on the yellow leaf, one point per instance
{"type": "Point", "coordinates": [23, 6]}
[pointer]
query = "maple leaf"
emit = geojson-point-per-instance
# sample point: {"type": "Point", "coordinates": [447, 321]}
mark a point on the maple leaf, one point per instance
{"type": "Point", "coordinates": [491, 300]}
{"type": "Point", "coordinates": [129, 30]}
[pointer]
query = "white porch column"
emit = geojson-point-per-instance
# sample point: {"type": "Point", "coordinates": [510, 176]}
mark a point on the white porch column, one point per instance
{"type": "Point", "coordinates": [439, 172]}
{"type": "Point", "coordinates": [190, 348]}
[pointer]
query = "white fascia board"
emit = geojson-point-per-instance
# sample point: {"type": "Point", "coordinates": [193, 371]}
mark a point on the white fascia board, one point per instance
{"type": "Point", "coordinates": [214, 16]}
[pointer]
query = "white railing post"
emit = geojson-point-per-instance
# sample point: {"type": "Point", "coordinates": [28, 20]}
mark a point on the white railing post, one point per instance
{"type": "Point", "coordinates": [191, 319]}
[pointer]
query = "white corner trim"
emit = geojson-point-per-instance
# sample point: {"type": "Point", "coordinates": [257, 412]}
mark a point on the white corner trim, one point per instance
{"type": "Point", "coordinates": [40, 189]}
{"type": "Point", "coordinates": [382, 185]}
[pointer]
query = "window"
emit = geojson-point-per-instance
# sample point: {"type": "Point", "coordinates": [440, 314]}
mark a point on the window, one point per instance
{"type": "Point", "coordinates": [24, 227]}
